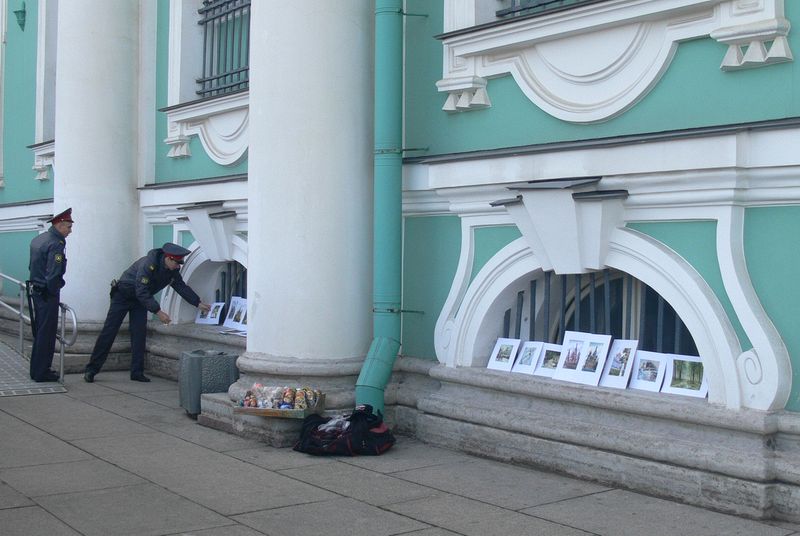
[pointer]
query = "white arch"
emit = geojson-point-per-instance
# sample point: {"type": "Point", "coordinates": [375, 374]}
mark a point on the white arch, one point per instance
{"type": "Point", "coordinates": [200, 273]}
{"type": "Point", "coordinates": [478, 322]}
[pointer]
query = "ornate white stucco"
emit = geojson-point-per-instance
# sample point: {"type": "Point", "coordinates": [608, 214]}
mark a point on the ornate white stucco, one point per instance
{"type": "Point", "coordinates": [591, 63]}
{"type": "Point", "coordinates": [694, 186]}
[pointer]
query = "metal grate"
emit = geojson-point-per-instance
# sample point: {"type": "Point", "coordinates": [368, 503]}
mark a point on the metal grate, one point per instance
{"type": "Point", "coordinates": [518, 8]}
{"type": "Point", "coordinates": [608, 302]}
{"type": "Point", "coordinates": [226, 47]}
{"type": "Point", "coordinates": [232, 282]}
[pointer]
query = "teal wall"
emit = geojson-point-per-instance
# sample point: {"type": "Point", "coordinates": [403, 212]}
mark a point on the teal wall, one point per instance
{"type": "Point", "coordinates": [773, 257]}
{"type": "Point", "coordinates": [161, 234]}
{"type": "Point", "coordinates": [431, 246]}
{"type": "Point", "coordinates": [14, 260]}
{"type": "Point", "coordinates": [19, 109]}
{"type": "Point", "coordinates": [199, 165]}
{"type": "Point", "coordinates": [696, 242]}
{"type": "Point", "coordinates": [488, 241]}
{"type": "Point", "coordinates": [694, 92]}
{"type": "Point", "coordinates": [186, 238]}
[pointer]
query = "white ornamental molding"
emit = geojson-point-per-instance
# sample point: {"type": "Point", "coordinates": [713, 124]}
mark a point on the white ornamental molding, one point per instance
{"type": "Point", "coordinates": [221, 124]}
{"type": "Point", "coordinates": [44, 159]}
{"type": "Point", "coordinates": [591, 63]}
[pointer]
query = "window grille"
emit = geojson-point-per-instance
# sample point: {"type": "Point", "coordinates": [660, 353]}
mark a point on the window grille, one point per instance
{"type": "Point", "coordinates": [226, 47]}
{"type": "Point", "coordinates": [232, 282]}
{"type": "Point", "coordinates": [517, 8]}
{"type": "Point", "coordinates": [608, 302]}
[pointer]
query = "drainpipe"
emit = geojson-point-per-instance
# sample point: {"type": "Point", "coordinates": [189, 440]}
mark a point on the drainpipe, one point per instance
{"type": "Point", "coordinates": [387, 171]}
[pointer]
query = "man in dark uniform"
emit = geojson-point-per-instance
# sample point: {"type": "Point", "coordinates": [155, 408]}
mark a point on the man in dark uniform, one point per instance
{"type": "Point", "coordinates": [133, 295]}
{"type": "Point", "coordinates": [48, 263]}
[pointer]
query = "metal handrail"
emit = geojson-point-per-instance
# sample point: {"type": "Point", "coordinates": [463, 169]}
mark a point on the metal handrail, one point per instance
{"type": "Point", "coordinates": [23, 319]}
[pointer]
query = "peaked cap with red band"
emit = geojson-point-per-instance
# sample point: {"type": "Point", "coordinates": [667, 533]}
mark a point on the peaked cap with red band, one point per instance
{"type": "Point", "coordinates": [175, 252]}
{"type": "Point", "coordinates": [63, 216]}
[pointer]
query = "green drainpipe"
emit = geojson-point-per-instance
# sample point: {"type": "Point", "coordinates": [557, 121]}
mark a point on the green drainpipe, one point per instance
{"type": "Point", "coordinates": [388, 217]}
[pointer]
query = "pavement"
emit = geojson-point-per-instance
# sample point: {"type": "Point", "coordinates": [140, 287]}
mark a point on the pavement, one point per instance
{"type": "Point", "coordinates": [117, 457]}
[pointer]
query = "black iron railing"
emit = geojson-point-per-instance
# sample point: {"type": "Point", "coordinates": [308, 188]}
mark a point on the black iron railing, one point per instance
{"type": "Point", "coordinates": [518, 8]}
{"type": "Point", "coordinates": [226, 47]}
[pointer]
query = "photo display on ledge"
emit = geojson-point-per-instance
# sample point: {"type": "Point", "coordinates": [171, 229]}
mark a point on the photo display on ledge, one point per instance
{"type": "Point", "coordinates": [599, 360]}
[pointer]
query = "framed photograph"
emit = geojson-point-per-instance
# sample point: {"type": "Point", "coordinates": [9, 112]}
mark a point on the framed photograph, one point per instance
{"type": "Point", "coordinates": [684, 375]}
{"type": "Point", "coordinates": [619, 364]}
{"type": "Point", "coordinates": [648, 370]}
{"type": "Point", "coordinates": [582, 357]}
{"type": "Point", "coordinates": [502, 358]}
{"type": "Point", "coordinates": [528, 357]}
{"type": "Point", "coordinates": [236, 313]}
{"type": "Point", "coordinates": [213, 316]}
{"type": "Point", "coordinates": [548, 360]}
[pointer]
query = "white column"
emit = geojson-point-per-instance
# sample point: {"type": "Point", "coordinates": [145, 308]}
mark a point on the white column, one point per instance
{"type": "Point", "coordinates": [310, 194]}
{"type": "Point", "coordinates": [96, 145]}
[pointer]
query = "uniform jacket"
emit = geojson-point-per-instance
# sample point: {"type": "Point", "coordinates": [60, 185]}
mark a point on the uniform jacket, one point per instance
{"type": "Point", "coordinates": [148, 275]}
{"type": "Point", "coordinates": [48, 263]}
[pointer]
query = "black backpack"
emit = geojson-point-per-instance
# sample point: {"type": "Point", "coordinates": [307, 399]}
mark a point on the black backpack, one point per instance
{"type": "Point", "coordinates": [362, 432]}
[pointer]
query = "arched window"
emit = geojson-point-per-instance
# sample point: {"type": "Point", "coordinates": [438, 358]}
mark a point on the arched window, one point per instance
{"type": "Point", "coordinates": [610, 302]}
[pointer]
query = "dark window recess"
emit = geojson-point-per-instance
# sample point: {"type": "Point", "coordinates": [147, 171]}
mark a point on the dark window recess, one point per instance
{"type": "Point", "coordinates": [521, 8]}
{"type": "Point", "coordinates": [610, 302]}
{"type": "Point", "coordinates": [226, 47]}
{"type": "Point", "coordinates": [232, 282]}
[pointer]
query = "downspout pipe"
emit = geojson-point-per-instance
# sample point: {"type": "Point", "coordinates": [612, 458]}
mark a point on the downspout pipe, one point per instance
{"type": "Point", "coordinates": [388, 197]}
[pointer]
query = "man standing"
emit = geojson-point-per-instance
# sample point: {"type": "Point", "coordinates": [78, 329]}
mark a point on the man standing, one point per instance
{"type": "Point", "coordinates": [48, 264]}
{"type": "Point", "coordinates": [133, 295]}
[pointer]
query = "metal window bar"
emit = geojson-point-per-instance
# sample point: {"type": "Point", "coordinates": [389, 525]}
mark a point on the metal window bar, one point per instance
{"type": "Point", "coordinates": [539, 7]}
{"type": "Point", "coordinates": [532, 313]}
{"type": "Point", "coordinates": [547, 282]}
{"type": "Point", "coordinates": [577, 300]}
{"type": "Point", "coordinates": [563, 316]}
{"type": "Point", "coordinates": [518, 324]}
{"type": "Point", "coordinates": [660, 324]}
{"type": "Point", "coordinates": [226, 50]}
{"type": "Point", "coordinates": [507, 323]}
{"type": "Point", "coordinates": [593, 314]}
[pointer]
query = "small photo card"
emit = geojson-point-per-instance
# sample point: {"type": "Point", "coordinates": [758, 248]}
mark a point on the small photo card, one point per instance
{"type": "Point", "coordinates": [237, 314]}
{"type": "Point", "coordinates": [648, 370]}
{"type": "Point", "coordinates": [619, 364]}
{"type": "Point", "coordinates": [528, 357]}
{"type": "Point", "coordinates": [582, 357]}
{"type": "Point", "coordinates": [213, 316]}
{"type": "Point", "coordinates": [548, 360]}
{"type": "Point", "coordinates": [684, 375]}
{"type": "Point", "coordinates": [502, 358]}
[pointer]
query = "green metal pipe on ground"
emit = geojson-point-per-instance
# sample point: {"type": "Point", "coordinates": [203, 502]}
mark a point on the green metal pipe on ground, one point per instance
{"type": "Point", "coordinates": [388, 196]}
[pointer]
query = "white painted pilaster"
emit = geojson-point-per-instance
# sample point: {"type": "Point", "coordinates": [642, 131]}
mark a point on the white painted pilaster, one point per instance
{"type": "Point", "coordinates": [96, 122]}
{"type": "Point", "coordinates": [310, 194]}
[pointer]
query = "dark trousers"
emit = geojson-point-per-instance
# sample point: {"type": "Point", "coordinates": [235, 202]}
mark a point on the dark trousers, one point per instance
{"type": "Point", "coordinates": [137, 321]}
{"type": "Point", "coordinates": [44, 344]}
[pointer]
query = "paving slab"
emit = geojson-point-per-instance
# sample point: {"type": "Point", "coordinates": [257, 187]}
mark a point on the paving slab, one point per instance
{"type": "Point", "coordinates": [22, 444]}
{"type": "Point", "coordinates": [339, 517]}
{"type": "Point", "coordinates": [276, 459]}
{"type": "Point", "coordinates": [222, 483]}
{"type": "Point", "coordinates": [190, 431]}
{"type": "Point", "coordinates": [500, 484]}
{"type": "Point", "coordinates": [11, 498]}
{"type": "Point", "coordinates": [142, 510]}
{"type": "Point", "coordinates": [139, 409]}
{"type": "Point", "coordinates": [351, 481]}
{"type": "Point", "coordinates": [121, 381]}
{"type": "Point", "coordinates": [33, 521]}
{"type": "Point", "coordinates": [406, 454]}
{"type": "Point", "coordinates": [68, 418]}
{"type": "Point", "coordinates": [622, 513]}
{"type": "Point", "coordinates": [84, 475]}
{"type": "Point", "coordinates": [431, 532]}
{"type": "Point", "coordinates": [228, 530]}
{"type": "Point", "coordinates": [474, 518]}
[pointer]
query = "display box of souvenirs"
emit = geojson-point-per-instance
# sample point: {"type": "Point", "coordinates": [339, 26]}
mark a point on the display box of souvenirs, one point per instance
{"type": "Point", "coordinates": [285, 402]}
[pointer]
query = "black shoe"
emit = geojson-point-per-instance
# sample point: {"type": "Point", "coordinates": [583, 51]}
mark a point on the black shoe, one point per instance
{"type": "Point", "coordinates": [49, 376]}
{"type": "Point", "coordinates": [139, 378]}
{"type": "Point", "coordinates": [88, 376]}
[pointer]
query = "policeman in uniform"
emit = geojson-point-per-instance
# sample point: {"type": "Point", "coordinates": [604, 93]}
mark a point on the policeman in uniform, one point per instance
{"type": "Point", "coordinates": [133, 295]}
{"type": "Point", "coordinates": [48, 263]}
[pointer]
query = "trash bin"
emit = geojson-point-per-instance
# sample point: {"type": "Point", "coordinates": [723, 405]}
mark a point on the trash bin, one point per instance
{"type": "Point", "coordinates": [204, 371]}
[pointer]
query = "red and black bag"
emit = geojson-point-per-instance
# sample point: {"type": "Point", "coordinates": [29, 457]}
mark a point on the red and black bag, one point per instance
{"type": "Point", "coordinates": [362, 432]}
